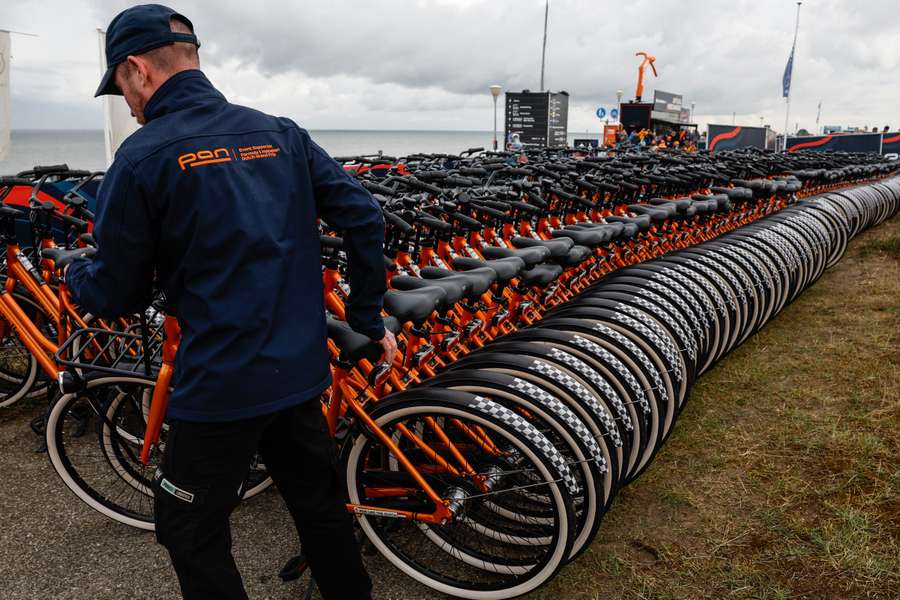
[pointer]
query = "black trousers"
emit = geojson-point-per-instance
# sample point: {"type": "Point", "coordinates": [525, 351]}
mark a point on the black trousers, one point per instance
{"type": "Point", "coordinates": [198, 486]}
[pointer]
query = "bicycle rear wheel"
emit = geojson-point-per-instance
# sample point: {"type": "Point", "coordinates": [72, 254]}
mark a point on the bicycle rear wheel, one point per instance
{"type": "Point", "coordinates": [94, 440]}
{"type": "Point", "coordinates": [80, 443]}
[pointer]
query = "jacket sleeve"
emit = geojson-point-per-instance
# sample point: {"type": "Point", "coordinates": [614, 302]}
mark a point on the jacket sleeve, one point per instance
{"type": "Point", "coordinates": [345, 205]}
{"type": "Point", "coordinates": [119, 279]}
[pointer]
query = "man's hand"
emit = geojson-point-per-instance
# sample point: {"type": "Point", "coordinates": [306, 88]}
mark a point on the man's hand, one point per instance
{"type": "Point", "coordinates": [389, 346]}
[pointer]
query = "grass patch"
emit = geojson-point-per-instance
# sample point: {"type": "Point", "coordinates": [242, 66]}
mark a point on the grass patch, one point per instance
{"type": "Point", "coordinates": [781, 479]}
{"type": "Point", "coordinates": [889, 246]}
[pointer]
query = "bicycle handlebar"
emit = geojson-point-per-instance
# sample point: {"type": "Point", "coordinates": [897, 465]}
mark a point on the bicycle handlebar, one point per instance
{"type": "Point", "coordinates": [398, 222]}
{"type": "Point", "coordinates": [373, 187]}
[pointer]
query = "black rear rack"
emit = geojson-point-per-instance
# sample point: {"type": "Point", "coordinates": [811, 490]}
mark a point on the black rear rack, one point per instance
{"type": "Point", "coordinates": [135, 351]}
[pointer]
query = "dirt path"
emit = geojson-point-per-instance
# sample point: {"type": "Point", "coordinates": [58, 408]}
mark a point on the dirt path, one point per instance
{"type": "Point", "coordinates": [780, 481]}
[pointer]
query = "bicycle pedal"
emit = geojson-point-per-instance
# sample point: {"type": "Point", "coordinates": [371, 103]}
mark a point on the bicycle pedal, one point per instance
{"type": "Point", "coordinates": [293, 568]}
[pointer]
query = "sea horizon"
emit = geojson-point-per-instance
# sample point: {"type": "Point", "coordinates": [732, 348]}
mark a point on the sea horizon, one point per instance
{"type": "Point", "coordinates": [84, 148]}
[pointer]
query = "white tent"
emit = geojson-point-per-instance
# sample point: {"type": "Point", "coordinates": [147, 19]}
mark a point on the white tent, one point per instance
{"type": "Point", "coordinates": [4, 95]}
{"type": "Point", "coordinates": [119, 123]}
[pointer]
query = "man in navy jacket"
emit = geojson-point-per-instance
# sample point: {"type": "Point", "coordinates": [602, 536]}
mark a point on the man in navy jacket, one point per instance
{"type": "Point", "coordinates": [217, 204]}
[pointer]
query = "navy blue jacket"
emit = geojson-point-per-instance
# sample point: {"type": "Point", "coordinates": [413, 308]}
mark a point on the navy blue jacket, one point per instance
{"type": "Point", "coordinates": [218, 203]}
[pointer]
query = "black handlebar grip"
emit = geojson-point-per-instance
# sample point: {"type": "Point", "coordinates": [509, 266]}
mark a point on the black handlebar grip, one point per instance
{"type": "Point", "coordinates": [377, 187]}
{"type": "Point", "coordinates": [495, 204]}
{"type": "Point", "coordinates": [518, 171]}
{"type": "Point", "coordinates": [422, 185]}
{"type": "Point", "coordinates": [608, 187]}
{"type": "Point", "coordinates": [75, 222]}
{"type": "Point", "coordinates": [467, 221]}
{"type": "Point", "coordinates": [562, 194]}
{"type": "Point", "coordinates": [493, 212]}
{"type": "Point", "coordinates": [40, 170]}
{"type": "Point", "coordinates": [460, 181]}
{"type": "Point", "coordinates": [536, 199]}
{"type": "Point", "coordinates": [433, 223]}
{"type": "Point", "coordinates": [423, 174]}
{"type": "Point", "coordinates": [525, 207]}
{"type": "Point", "coordinates": [331, 241]}
{"type": "Point", "coordinates": [398, 222]}
{"type": "Point", "coordinates": [5, 181]}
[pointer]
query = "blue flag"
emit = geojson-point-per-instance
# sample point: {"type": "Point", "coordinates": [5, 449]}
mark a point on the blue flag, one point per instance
{"type": "Point", "coordinates": [786, 80]}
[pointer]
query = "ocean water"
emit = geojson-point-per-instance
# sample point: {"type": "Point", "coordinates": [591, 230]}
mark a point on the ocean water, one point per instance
{"type": "Point", "coordinates": [84, 149]}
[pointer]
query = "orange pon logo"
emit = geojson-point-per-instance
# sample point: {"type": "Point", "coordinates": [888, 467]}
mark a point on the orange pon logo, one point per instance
{"type": "Point", "coordinates": [203, 157]}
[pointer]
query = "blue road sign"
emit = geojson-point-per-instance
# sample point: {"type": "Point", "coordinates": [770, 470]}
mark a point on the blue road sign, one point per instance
{"type": "Point", "coordinates": [614, 113]}
{"type": "Point", "coordinates": [601, 112]}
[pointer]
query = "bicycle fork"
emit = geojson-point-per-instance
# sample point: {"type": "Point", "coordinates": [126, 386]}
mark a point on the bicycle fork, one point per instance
{"type": "Point", "coordinates": [160, 401]}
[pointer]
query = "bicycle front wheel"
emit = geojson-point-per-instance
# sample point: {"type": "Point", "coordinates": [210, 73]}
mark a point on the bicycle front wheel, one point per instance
{"type": "Point", "coordinates": [482, 552]}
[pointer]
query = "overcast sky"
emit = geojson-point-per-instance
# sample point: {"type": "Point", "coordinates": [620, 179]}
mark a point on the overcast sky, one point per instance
{"type": "Point", "coordinates": [427, 64]}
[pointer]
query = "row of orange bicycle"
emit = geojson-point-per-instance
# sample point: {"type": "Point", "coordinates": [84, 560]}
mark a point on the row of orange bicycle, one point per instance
{"type": "Point", "coordinates": [552, 312]}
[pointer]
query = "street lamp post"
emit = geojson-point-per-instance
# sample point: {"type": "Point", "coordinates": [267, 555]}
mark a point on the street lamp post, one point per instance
{"type": "Point", "coordinates": [495, 92]}
{"type": "Point", "coordinates": [693, 104]}
{"type": "Point", "coordinates": [619, 104]}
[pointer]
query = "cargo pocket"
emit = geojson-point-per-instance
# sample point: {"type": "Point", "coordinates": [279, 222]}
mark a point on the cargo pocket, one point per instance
{"type": "Point", "coordinates": [180, 508]}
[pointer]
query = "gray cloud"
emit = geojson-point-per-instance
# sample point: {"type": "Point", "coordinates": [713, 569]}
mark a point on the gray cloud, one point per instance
{"type": "Point", "coordinates": [428, 63]}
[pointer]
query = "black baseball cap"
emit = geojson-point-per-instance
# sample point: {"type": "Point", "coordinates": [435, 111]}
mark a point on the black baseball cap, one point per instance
{"type": "Point", "coordinates": [137, 30]}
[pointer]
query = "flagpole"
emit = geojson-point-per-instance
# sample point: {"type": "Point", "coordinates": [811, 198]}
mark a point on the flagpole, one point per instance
{"type": "Point", "coordinates": [787, 103]}
{"type": "Point", "coordinates": [818, 114]}
{"type": "Point", "coordinates": [544, 45]}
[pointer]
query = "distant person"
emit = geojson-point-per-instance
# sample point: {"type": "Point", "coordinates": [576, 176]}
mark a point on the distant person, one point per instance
{"type": "Point", "coordinates": [875, 129]}
{"type": "Point", "coordinates": [886, 129]}
{"type": "Point", "coordinates": [515, 143]}
{"type": "Point", "coordinates": [634, 137]}
{"type": "Point", "coordinates": [234, 245]}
